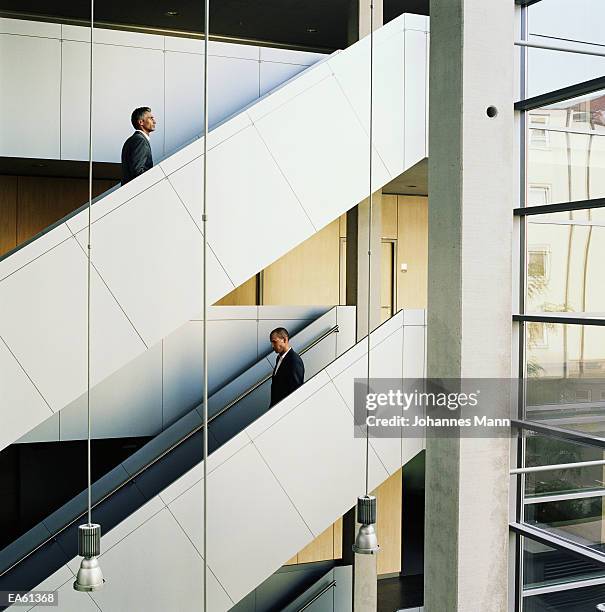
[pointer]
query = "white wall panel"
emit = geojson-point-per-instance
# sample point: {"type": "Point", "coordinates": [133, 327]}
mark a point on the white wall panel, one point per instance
{"type": "Point", "coordinates": [195, 475]}
{"type": "Point", "coordinates": [121, 38]}
{"type": "Point", "coordinates": [164, 260]}
{"type": "Point", "coordinates": [55, 580]}
{"type": "Point", "coordinates": [75, 100]}
{"type": "Point", "coordinates": [346, 319]}
{"type": "Point", "coordinates": [125, 77]}
{"type": "Point", "coordinates": [22, 405]}
{"type": "Point", "coordinates": [43, 320]}
{"type": "Point", "coordinates": [114, 199]}
{"type": "Point", "coordinates": [413, 21]}
{"type": "Point", "coordinates": [336, 459]}
{"type": "Point", "coordinates": [46, 431]}
{"type": "Point", "coordinates": [234, 83]}
{"type": "Point", "coordinates": [71, 600]}
{"type": "Point", "coordinates": [289, 56]}
{"type": "Point", "coordinates": [235, 50]}
{"type": "Point", "coordinates": [184, 112]}
{"type": "Point", "coordinates": [129, 72]}
{"type": "Point", "coordinates": [273, 74]}
{"type": "Point", "coordinates": [296, 470]}
{"type": "Point", "coordinates": [240, 191]}
{"type": "Point", "coordinates": [148, 248]}
{"type": "Point", "coordinates": [30, 28]}
{"type": "Point", "coordinates": [165, 382]}
{"type": "Point", "coordinates": [321, 113]}
{"type": "Point", "coordinates": [136, 585]}
{"type": "Point", "coordinates": [229, 343]}
{"type": "Point", "coordinates": [30, 78]}
{"type": "Point", "coordinates": [354, 78]}
{"type": "Point", "coordinates": [416, 121]}
{"type": "Point", "coordinates": [35, 249]}
{"type": "Point", "coordinates": [266, 505]}
{"type": "Point", "coordinates": [131, 400]}
{"type": "Point", "coordinates": [413, 346]}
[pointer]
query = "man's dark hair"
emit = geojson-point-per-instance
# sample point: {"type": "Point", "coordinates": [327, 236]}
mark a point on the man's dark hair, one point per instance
{"type": "Point", "coordinates": [138, 114]}
{"type": "Point", "coordinates": [281, 332]}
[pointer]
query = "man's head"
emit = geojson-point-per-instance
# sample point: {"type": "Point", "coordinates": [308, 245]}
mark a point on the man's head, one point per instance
{"type": "Point", "coordinates": [279, 339]}
{"type": "Point", "coordinates": [142, 119]}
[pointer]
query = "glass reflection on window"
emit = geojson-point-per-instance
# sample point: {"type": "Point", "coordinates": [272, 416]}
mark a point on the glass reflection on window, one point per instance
{"type": "Point", "coordinates": [557, 350]}
{"type": "Point", "coordinates": [564, 263]}
{"type": "Point", "coordinates": [546, 566]}
{"type": "Point", "coordinates": [580, 20]}
{"type": "Point", "coordinates": [566, 151]}
{"type": "Point", "coordinates": [570, 600]}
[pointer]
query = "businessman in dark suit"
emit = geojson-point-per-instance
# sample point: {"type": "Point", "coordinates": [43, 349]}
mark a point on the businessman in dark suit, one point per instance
{"type": "Point", "coordinates": [289, 370]}
{"type": "Point", "coordinates": [136, 152]}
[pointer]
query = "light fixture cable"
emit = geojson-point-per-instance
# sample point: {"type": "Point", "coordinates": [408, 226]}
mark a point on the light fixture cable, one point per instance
{"type": "Point", "coordinates": [370, 206]}
{"type": "Point", "coordinates": [204, 301]}
{"type": "Point", "coordinates": [89, 265]}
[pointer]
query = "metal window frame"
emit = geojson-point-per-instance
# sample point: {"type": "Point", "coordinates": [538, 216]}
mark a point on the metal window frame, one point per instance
{"type": "Point", "coordinates": [561, 95]}
{"type": "Point", "coordinates": [564, 586]}
{"type": "Point", "coordinates": [554, 541]}
{"type": "Point", "coordinates": [545, 499]}
{"type": "Point", "coordinates": [526, 3]}
{"type": "Point", "coordinates": [559, 207]}
{"type": "Point", "coordinates": [569, 435]}
{"type": "Point", "coordinates": [562, 318]}
{"type": "Point", "coordinates": [572, 48]}
{"type": "Point", "coordinates": [522, 212]}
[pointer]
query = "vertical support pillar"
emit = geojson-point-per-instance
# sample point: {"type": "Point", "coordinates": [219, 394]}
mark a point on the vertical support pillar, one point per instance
{"type": "Point", "coordinates": [357, 218]}
{"type": "Point", "coordinates": [358, 230]}
{"type": "Point", "coordinates": [471, 184]}
{"type": "Point", "coordinates": [363, 277]}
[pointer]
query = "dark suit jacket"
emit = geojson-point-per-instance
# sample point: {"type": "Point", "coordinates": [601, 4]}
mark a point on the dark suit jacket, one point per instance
{"type": "Point", "coordinates": [288, 378]}
{"type": "Point", "coordinates": [136, 157]}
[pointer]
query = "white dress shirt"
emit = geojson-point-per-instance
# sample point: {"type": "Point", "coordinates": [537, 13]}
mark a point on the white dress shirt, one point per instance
{"type": "Point", "coordinates": [280, 359]}
{"type": "Point", "coordinates": [144, 134]}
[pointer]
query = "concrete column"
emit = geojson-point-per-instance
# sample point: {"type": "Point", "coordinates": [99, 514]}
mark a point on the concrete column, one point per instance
{"type": "Point", "coordinates": [358, 230]}
{"type": "Point", "coordinates": [471, 185]}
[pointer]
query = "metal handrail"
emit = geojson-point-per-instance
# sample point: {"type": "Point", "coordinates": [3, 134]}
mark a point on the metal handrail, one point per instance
{"type": "Point", "coordinates": [556, 466]}
{"type": "Point", "coordinates": [316, 597]}
{"type": "Point", "coordinates": [194, 431]}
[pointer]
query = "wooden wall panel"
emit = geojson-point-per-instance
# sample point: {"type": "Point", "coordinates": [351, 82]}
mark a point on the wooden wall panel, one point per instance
{"type": "Point", "coordinates": [8, 213]}
{"type": "Point", "coordinates": [412, 248]}
{"type": "Point", "coordinates": [342, 221]}
{"type": "Point", "coordinates": [389, 216]}
{"type": "Point", "coordinates": [307, 275]}
{"type": "Point", "coordinates": [388, 524]}
{"type": "Point", "coordinates": [321, 549]}
{"type": "Point", "coordinates": [338, 539]}
{"type": "Point", "coordinates": [44, 200]}
{"type": "Point", "coordinates": [244, 295]}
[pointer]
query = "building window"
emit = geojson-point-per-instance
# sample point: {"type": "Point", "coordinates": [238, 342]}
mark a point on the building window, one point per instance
{"type": "Point", "coordinates": [538, 195]}
{"type": "Point", "coordinates": [538, 263]}
{"type": "Point", "coordinates": [538, 134]}
{"type": "Point", "coordinates": [537, 336]}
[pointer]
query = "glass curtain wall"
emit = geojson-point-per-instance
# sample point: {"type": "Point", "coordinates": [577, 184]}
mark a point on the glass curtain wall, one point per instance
{"type": "Point", "coordinates": [561, 316]}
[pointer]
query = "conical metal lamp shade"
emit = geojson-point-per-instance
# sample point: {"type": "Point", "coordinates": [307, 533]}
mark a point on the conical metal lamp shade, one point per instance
{"type": "Point", "coordinates": [90, 576]}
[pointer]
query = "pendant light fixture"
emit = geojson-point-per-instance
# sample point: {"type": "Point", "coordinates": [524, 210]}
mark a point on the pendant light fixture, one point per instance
{"type": "Point", "coordinates": [366, 542]}
{"type": "Point", "coordinates": [90, 576]}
